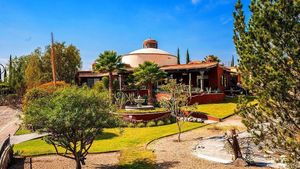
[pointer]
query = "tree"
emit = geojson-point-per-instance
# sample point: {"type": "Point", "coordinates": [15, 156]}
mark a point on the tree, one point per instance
{"type": "Point", "coordinates": [232, 61]}
{"type": "Point", "coordinates": [73, 117]}
{"type": "Point", "coordinates": [187, 57]}
{"type": "Point", "coordinates": [17, 74]}
{"type": "Point", "coordinates": [178, 56]}
{"type": "Point", "coordinates": [212, 58]}
{"type": "Point", "coordinates": [10, 71]}
{"type": "Point", "coordinates": [33, 71]}
{"type": "Point", "coordinates": [109, 62]}
{"type": "Point", "coordinates": [178, 98]}
{"type": "Point", "coordinates": [67, 59]}
{"type": "Point", "coordinates": [268, 47]}
{"type": "Point", "coordinates": [148, 74]}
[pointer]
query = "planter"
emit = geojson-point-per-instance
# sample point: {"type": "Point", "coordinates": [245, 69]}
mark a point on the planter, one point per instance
{"type": "Point", "coordinates": [144, 117]}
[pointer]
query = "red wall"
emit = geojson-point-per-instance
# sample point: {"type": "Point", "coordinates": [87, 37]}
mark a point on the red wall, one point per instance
{"type": "Point", "coordinates": [207, 98]}
{"type": "Point", "coordinates": [199, 98]}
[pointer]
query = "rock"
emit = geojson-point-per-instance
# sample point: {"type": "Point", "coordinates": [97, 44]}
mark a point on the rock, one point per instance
{"type": "Point", "coordinates": [240, 162]}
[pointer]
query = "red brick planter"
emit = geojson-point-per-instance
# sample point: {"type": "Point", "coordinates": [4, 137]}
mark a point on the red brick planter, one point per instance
{"type": "Point", "coordinates": [144, 117]}
{"type": "Point", "coordinates": [201, 115]}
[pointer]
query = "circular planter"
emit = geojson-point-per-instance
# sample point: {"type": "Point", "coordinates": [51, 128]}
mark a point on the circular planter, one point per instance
{"type": "Point", "coordinates": [144, 117]}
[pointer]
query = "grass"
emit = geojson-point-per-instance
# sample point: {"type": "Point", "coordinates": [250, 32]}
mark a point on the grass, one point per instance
{"type": "Point", "coordinates": [110, 140]}
{"type": "Point", "coordinates": [219, 110]}
{"type": "Point", "coordinates": [22, 131]}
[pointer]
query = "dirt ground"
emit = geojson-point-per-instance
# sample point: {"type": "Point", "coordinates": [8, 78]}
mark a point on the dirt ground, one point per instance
{"type": "Point", "coordinates": [9, 122]}
{"type": "Point", "coordinates": [169, 153]}
{"type": "Point", "coordinates": [179, 155]}
{"type": "Point", "coordinates": [99, 161]}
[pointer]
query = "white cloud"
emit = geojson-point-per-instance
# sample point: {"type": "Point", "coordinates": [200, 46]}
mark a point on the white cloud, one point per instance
{"type": "Point", "coordinates": [195, 2]}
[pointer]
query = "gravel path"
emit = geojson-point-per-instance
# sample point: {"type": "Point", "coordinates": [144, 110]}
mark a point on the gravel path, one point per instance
{"type": "Point", "coordinates": [9, 122]}
{"type": "Point", "coordinates": [179, 155]}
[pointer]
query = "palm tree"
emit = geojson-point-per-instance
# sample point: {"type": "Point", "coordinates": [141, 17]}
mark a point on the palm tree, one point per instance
{"type": "Point", "coordinates": [148, 74]}
{"type": "Point", "coordinates": [212, 58]}
{"type": "Point", "coordinates": [109, 62]}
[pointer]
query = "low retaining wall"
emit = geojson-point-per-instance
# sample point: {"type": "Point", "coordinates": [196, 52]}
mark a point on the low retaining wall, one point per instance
{"type": "Point", "coordinates": [6, 154]}
{"type": "Point", "coordinates": [136, 117]}
{"type": "Point", "coordinates": [201, 98]}
{"type": "Point", "coordinates": [202, 116]}
{"type": "Point", "coordinates": [207, 98]}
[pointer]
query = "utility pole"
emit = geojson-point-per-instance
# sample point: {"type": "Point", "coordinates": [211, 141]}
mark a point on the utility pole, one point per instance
{"type": "Point", "coordinates": [53, 60]}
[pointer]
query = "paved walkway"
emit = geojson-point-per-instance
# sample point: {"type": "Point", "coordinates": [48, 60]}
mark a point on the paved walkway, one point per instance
{"type": "Point", "coordinates": [25, 137]}
{"type": "Point", "coordinates": [9, 122]}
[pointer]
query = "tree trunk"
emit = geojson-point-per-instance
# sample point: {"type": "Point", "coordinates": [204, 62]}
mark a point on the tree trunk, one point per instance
{"type": "Point", "coordinates": [150, 94]}
{"type": "Point", "coordinates": [110, 86]}
{"type": "Point", "coordinates": [78, 164]}
{"type": "Point", "coordinates": [179, 129]}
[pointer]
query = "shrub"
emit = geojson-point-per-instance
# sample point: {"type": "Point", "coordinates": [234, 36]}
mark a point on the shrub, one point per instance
{"type": "Point", "coordinates": [160, 123]}
{"type": "Point", "coordinates": [131, 125]}
{"type": "Point", "coordinates": [168, 121]}
{"type": "Point", "coordinates": [99, 86]}
{"type": "Point", "coordinates": [151, 124]}
{"type": "Point", "coordinates": [51, 88]}
{"type": "Point", "coordinates": [140, 124]}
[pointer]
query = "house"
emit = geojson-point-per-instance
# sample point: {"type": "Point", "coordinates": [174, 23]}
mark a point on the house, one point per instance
{"type": "Point", "coordinates": [209, 76]}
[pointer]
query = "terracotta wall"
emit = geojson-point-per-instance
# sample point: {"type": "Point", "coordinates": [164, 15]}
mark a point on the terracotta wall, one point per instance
{"type": "Point", "coordinates": [199, 98]}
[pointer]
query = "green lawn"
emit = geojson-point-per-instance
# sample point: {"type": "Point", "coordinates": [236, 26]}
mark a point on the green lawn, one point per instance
{"type": "Point", "coordinates": [110, 140]}
{"type": "Point", "coordinates": [22, 131]}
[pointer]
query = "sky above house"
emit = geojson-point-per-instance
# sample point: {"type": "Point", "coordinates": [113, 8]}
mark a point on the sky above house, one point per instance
{"type": "Point", "coordinates": [203, 27]}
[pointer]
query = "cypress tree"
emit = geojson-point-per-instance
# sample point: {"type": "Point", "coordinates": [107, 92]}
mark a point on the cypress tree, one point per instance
{"type": "Point", "coordinates": [187, 57]}
{"type": "Point", "coordinates": [10, 72]}
{"type": "Point", "coordinates": [232, 61]}
{"type": "Point", "coordinates": [178, 56]}
{"type": "Point", "coordinates": [269, 62]}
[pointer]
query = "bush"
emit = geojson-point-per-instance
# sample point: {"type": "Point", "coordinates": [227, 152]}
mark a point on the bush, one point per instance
{"type": "Point", "coordinates": [167, 121]}
{"type": "Point", "coordinates": [49, 87]}
{"type": "Point", "coordinates": [160, 123]}
{"type": "Point", "coordinates": [151, 124]}
{"type": "Point", "coordinates": [131, 125]}
{"type": "Point", "coordinates": [140, 124]}
{"type": "Point", "coordinates": [99, 86]}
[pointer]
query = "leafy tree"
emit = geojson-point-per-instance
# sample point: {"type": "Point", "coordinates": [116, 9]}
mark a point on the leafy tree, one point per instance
{"type": "Point", "coordinates": [10, 71]}
{"type": "Point", "coordinates": [178, 98]}
{"type": "Point", "coordinates": [109, 62]}
{"type": "Point", "coordinates": [178, 56]}
{"type": "Point", "coordinates": [212, 58]}
{"type": "Point", "coordinates": [232, 61]}
{"type": "Point", "coordinates": [33, 71]}
{"type": "Point", "coordinates": [73, 117]}
{"type": "Point", "coordinates": [67, 59]}
{"type": "Point", "coordinates": [148, 74]}
{"type": "Point", "coordinates": [187, 57]}
{"type": "Point", "coordinates": [17, 81]}
{"type": "Point", "coordinates": [269, 52]}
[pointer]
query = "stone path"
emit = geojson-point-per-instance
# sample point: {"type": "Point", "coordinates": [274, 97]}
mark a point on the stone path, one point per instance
{"type": "Point", "coordinates": [9, 122]}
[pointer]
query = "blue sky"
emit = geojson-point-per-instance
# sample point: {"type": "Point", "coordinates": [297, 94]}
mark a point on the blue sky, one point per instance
{"type": "Point", "coordinates": [202, 26]}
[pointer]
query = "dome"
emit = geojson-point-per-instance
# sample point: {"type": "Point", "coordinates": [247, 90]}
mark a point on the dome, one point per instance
{"type": "Point", "coordinates": [149, 53]}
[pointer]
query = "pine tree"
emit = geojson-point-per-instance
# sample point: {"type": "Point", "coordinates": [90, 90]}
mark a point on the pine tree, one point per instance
{"type": "Point", "coordinates": [232, 61]}
{"type": "Point", "coordinates": [270, 65]}
{"type": "Point", "coordinates": [187, 57]}
{"type": "Point", "coordinates": [178, 56]}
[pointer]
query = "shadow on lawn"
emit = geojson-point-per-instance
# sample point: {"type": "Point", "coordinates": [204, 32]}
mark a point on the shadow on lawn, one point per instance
{"type": "Point", "coordinates": [106, 135]}
{"type": "Point", "coordinates": [140, 164]}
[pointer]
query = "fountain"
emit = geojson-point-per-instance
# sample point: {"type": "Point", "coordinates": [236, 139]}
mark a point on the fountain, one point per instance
{"type": "Point", "coordinates": [139, 100]}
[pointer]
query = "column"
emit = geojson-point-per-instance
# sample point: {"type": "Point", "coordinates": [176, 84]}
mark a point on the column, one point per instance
{"type": "Point", "coordinates": [201, 81]}
{"type": "Point", "coordinates": [190, 84]}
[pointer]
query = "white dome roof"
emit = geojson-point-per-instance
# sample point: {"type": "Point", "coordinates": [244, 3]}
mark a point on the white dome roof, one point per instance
{"type": "Point", "coordinates": [150, 51]}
